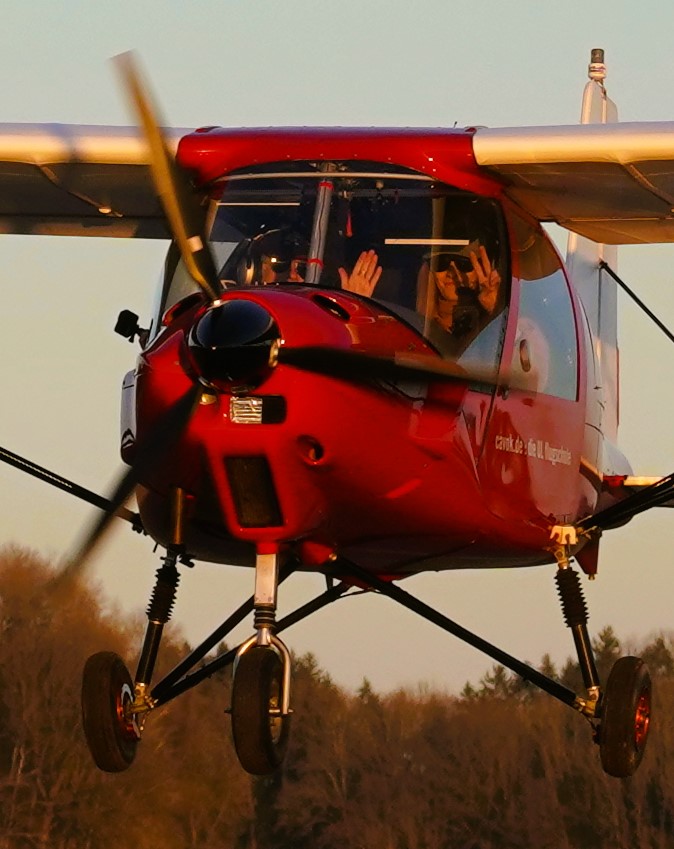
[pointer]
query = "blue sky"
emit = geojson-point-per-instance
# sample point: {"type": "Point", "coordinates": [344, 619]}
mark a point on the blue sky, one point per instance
{"type": "Point", "coordinates": [300, 62]}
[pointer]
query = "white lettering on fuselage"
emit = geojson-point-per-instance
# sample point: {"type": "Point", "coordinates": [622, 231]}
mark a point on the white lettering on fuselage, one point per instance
{"type": "Point", "coordinates": [511, 444]}
{"type": "Point", "coordinates": [537, 449]}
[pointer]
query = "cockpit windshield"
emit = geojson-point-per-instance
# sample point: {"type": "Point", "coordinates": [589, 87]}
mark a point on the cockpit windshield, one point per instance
{"type": "Point", "coordinates": [434, 255]}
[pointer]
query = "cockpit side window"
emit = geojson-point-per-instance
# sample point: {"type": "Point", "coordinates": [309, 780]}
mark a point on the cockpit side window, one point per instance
{"type": "Point", "coordinates": [546, 345]}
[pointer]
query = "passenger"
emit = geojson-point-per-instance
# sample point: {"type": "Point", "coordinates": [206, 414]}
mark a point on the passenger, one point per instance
{"type": "Point", "coordinates": [459, 293]}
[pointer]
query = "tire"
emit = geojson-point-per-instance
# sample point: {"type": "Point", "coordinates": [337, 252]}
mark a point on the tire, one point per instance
{"type": "Point", "coordinates": [260, 739]}
{"type": "Point", "coordinates": [625, 717]}
{"type": "Point", "coordinates": [106, 690]}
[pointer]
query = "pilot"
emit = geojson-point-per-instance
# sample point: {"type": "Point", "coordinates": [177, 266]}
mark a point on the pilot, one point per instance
{"type": "Point", "coordinates": [277, 269]}
{"type": "Point", "coordinates": [264, 259]}
{"type": "Point", "coordinates": [362, 280]}
{"type": "Point", "coordinates": [278, 256]}
{"type": "Point", "coordinates": [364, 276]}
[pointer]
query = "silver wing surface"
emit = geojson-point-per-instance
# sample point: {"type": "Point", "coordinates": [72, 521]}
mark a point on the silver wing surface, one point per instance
{"type": "Point", "coordinates": [58, 179]}
{"type": "Point", "coordinates": [613, 183]}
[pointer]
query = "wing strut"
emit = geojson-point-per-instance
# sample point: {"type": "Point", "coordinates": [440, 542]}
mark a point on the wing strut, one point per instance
{"type": "Point", "coordinates": [347, 569]}
{"type": "Point", "coordinates": [181, 679]}
{"type": "Point", "coordinates": [637, 300]}
{"type": "Point", "coordinates": [652, 496]}
{"type": "Point", "coordinates": [68, 486]}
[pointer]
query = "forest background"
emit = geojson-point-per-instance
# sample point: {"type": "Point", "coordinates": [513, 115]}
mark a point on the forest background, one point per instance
{"type": "Point", "coordinates": [500, 765]}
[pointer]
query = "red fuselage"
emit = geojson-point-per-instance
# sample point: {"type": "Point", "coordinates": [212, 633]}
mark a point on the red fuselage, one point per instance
{"type": "Point", "coordinates": [399, 478]}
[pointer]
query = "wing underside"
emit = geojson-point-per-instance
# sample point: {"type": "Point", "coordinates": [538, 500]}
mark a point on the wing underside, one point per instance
{"type": "Point", "coordinates": [612, 183]}
{"type": "Point", "coordinates": [78, 180]}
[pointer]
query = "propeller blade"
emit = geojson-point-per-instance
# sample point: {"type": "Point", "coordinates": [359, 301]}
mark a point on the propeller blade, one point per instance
{"type": "Point", "coordinates": [357, 365]}
{"type": "Point", "coordinates": [150, 451]}
{"type": "Point", "coordinates": [185, 215]}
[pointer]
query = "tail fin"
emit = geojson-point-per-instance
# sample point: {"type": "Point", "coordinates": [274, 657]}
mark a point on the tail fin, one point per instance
{"type": "Point", "coordinates": [597, 290]}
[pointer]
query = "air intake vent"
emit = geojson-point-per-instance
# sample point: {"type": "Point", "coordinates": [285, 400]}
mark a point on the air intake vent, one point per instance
{"type": "Point", "coordinates": [331, 306]}
{"type": "Point", "coordinates": [253, 491]}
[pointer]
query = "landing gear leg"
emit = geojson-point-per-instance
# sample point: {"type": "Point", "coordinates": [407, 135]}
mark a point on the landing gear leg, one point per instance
{"type": "Point", "coordinates": [620, 715]}
{"type": "Point", "coordinates": [575, 616]}
{"type": "Point", "coordinates": [113, 707]}
{"type": "Point", "coordinates": [158, 614]}
{"type": "Point", "coordinates": [261, 685]}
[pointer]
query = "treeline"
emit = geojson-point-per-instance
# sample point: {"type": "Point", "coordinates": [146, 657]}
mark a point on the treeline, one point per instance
{"type": "Point", "coordinates": [498, 766]}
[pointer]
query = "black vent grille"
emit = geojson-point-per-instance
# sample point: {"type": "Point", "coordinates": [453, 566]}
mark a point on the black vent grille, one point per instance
{"type": "Point", "coordinates": [253, 491]}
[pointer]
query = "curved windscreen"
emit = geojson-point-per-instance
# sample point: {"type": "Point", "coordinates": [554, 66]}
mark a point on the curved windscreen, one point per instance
{"type": "Point", "coordinates": [432, 254]}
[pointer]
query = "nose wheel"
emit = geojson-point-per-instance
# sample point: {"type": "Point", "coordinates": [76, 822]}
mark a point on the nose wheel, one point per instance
{"type": "Point", "coordinates": [109, 726]}
{"type": "Point", "coordinates": [625, 717]}
{"type": "Point", "coordinates": [261, 685]}
{"type": "Point", "coordinates": [259, 727]}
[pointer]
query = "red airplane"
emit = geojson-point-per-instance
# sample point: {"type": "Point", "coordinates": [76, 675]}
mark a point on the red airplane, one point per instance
{"type": "Point", "coordinates": [368, 360]}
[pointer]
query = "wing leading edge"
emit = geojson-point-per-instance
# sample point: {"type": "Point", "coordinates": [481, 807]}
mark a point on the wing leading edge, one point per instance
{"type": "Point", "coordinates": [58, 179]}
{"type": "Point", "coordinates": [613, 183]}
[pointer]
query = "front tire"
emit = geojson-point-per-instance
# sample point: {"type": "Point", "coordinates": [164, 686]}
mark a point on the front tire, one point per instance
{"type": "Point", "coordinates": [107, 692]}
{"type": "Point", "coordinates": [260, 732]}
{"type": "Point", "coordinates": [625, 717]}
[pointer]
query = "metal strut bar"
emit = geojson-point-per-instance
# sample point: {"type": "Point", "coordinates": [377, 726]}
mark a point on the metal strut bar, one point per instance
{"type": "Point", "coordinates": [171, 687]}
{"type": "Point", "coordinates": [197, 654]}
{"type": "Point", "coordinates": [606, 267]}
{"type": "Point", "coordinates": [631, 506]}
{"type": "Point", "coordinates": [553, 688]}
{"type": "Point", "coordinates": [68, 486]}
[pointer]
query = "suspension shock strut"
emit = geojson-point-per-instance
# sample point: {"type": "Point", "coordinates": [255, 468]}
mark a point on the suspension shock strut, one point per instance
{"type": "Point", "coordinates": [267, 564]}
{"type": "Point", "coordinates": [162, 600]}
{"type": "Point", "coordinates": [158, 614]}
{"type": "Point", "coordinates": [574, 610]}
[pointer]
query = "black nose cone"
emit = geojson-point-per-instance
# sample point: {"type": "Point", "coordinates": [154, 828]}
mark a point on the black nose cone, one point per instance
{"type": "Point", "coordinates": [232, 342]}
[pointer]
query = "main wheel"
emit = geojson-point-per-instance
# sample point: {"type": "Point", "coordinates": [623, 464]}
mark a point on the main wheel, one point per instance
{"type": "Point", "coordinates": [625, 717]}
{"type": "Point", "coordinates": [107, 691]}
{"type": "Point", "coordinates": [260, 732]}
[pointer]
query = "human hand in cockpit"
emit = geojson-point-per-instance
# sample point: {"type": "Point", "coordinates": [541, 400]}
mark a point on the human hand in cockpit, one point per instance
{"type": "Point", "coordinates": [487, 280]}
{"type": "Point", "coordinates": [365, 275]}
{"type": "Point", "coordinates": [483, 279]}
